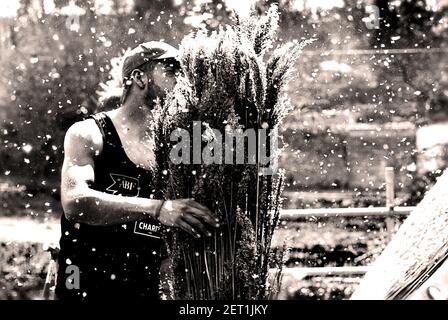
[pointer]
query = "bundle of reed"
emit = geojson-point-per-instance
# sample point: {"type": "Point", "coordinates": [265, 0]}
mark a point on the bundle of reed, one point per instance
{"type": "Point", "coordinates": [416, 251]}
{"type": "Point", "coordinates": [226, 86]}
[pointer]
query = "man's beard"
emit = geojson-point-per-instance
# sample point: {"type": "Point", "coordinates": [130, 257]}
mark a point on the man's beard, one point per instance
{"type": "Point", "coordinates": [156, 96]}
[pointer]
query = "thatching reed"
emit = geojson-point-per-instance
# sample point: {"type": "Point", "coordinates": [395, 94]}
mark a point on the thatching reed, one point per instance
{"type": "Point", "coordinates": [227, 85]}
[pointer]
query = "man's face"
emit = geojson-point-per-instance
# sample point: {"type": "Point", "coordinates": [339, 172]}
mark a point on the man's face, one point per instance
{"type": "Point", "coordinates": [163, 76]}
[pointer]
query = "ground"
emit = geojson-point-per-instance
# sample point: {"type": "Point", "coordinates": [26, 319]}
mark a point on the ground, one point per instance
{"type": "Point", "coordinates": [314, 242]}
{"type": "Point", "coordinates": [341, 242]}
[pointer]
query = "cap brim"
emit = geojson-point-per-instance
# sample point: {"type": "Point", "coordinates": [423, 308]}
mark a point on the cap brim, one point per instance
{"type": "Point", "coordinates": [167, 55]}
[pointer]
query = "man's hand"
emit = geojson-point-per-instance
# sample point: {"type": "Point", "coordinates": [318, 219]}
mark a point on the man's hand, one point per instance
{"type": "Point", "coordinates": [188, 215]}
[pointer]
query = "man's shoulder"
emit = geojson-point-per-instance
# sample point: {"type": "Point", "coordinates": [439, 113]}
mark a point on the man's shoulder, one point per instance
{"type": "Point", "coordinates": [86, 133]}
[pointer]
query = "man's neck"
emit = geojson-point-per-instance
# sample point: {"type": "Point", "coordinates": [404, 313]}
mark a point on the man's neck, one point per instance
{"type": "Point", "coordinates": [134, 118]}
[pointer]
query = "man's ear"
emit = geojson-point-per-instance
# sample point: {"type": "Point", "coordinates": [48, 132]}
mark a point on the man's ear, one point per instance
{"type": "Point", "coordinates": [140, 78]}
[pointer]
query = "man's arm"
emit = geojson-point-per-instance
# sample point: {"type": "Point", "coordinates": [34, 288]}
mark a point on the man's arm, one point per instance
{"type": "Point", "coordinates": [83, 204]}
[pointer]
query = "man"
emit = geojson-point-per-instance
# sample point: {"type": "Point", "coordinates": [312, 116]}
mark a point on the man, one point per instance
{"type": "Point", "coordinates": [111, 244]}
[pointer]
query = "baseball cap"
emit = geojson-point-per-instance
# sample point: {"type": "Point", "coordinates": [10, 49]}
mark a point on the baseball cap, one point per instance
{"type": "Point", "coordinates": [145, 52]}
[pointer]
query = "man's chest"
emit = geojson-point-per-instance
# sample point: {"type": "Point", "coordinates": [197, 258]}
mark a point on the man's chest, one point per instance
{"type": "Point", "coordinates": [140, 151]}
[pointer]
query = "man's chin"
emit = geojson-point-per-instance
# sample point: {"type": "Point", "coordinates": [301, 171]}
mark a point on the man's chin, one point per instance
{"type": "Point", "coordinates": [153, 103]}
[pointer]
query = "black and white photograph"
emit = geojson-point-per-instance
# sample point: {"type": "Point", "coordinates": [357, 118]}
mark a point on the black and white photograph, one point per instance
{"type": "Point", "coordinates": [223, 150]}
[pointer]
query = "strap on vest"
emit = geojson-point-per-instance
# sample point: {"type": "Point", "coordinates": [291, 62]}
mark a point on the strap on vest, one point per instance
{"type": "Point", "coordinates": [108, 131]}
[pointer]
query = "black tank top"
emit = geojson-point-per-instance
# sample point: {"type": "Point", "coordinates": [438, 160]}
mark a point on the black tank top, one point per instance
{"type": "Point", "coordinates": [120, 261]}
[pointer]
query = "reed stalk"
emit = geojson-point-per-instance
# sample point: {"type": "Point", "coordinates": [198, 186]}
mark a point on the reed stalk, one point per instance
{"type": "Point", "coordinates": [226, 82]}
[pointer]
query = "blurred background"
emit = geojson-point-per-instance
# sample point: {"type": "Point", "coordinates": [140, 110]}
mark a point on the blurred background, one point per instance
{"type": "Point", "coordinates": [371, 92]}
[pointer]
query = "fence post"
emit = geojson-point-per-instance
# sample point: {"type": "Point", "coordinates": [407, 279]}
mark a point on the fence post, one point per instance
{"type": "Point", "coordinates": [390, 197]}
